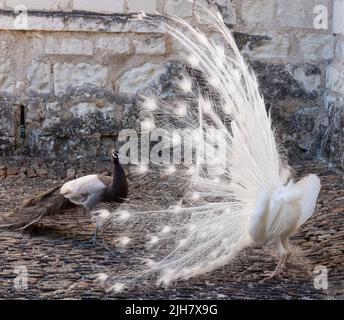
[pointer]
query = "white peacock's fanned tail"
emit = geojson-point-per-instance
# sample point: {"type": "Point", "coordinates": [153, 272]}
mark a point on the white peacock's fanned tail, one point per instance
{"type": "Point", "coordinates": [185, 220]}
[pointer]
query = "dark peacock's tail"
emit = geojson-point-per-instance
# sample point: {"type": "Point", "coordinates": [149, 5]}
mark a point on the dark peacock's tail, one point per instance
{"type": "Point", "coordinates": [35, 209]}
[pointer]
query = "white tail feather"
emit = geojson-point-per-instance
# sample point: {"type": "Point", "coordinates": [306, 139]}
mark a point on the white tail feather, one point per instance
{"type": "Point", "coordinates": [195, 218]}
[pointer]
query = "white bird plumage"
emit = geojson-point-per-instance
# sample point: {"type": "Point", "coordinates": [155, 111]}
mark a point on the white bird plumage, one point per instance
{"type": "Point", "coordinates": [85, 191]}
{"type": "Point", "coordinates": [252, 201]}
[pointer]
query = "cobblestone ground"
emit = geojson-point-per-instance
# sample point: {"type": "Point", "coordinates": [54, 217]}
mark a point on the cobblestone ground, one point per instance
{"type": "Point", "coordinates": [61, 259]}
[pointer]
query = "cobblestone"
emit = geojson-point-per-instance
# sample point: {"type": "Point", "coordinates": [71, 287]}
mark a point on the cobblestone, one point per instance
{"type": "Point", "coordinates": [61, 259]}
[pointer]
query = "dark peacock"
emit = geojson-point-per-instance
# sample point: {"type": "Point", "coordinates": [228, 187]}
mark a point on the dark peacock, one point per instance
{"type": "Point", "coordinates": [86, 192]}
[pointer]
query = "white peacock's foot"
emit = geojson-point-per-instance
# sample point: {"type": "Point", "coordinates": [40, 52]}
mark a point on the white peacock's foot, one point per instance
{"type": "Point", "coordinates": [284, 264]}
{"type": "Point", "coordinates": [101, 243]}
{"type": "Point", "coordinates": [94, 240]}
{"type": "Point", "coordinates": [274, 274]}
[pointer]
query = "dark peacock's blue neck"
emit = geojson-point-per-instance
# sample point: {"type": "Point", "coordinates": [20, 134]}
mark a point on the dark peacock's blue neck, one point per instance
{"type": "Point", "coordinates": [118, 190]}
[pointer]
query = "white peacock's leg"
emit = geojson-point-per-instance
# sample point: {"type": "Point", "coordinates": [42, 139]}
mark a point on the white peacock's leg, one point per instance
{"type": "Point", "coordinates": [95, 233]}
{"type": "Point", "coordinates": [284, 255]}
{"type": "Point", "coordinates": [94, 238]}
{"type": "Point", "coordinates": [278, 268]}
{"type": "Point", "coordinates": [286, 247]}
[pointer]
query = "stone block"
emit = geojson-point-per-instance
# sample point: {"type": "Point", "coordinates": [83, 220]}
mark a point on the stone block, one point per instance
{"type": "Point", "coordinates": [338, 12]}
{"type": "Point", "coordinates": [314, 46]}
{"type": "Point", "coordinates": [7, 75]}
{"type": "Point", "coordinates": [53, 116]}
{"type": "Point", "coordinates": [84, 109]}
{"type": "Point", "coordinates": [147, 6]}
{"type": "Point", "coordinates": [150, 46]}
{"type": "Point", "coordinates": [68, 46]}
{"type": "Point", "coordinates": [180, 8]}
{"type": "Point", "coordinates": [102, 6]}
{"type": "Point", "coordinates": [39, 77]}
{"type": "Point", "coordinates": [113, 45]}
{"type": "Point", "coordinates": [39, 4]}
{"type": "Point", "coordinates": [257, 12]}
{"type": "Point", "coordinates": [308, 75]}
{"type": "Point", "coordinates": [277, 47]}
{"type": "Point", "coordinates": [335, 79]}
{"type": "Point", "coordinates": [139, 78]}
{"type": "Point", "coordinates": [77, 75]}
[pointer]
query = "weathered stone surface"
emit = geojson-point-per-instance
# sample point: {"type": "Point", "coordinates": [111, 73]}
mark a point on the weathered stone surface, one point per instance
{"type": "Point", "coordinates": [316, 46]}
{"type": "Point", "coordinates": [39, 4]}
{"type": "Point", "coordinates": [138, 79]}
{"type": "Point", "coordinates": [258, 13]}
{"type": "Point", "coordinates": [87, 69]}
{"type": "Point", "coordinates": [40, 78]}
{"type": "Point", "coordinates": [335, 78]}
{"type": "Point", "coordinates": [31, 173]}
{"type": "Point", "coordinates": [7, 119]}
{"type": "Point", "coordinates": [7, 75]}
{"type": "Point", "coordinates": [53, 116]}
{"type": "Point", "coordinates": [227, 9]}
{"type": "Point", "coordinates": [82, 23]}
{"type": "Point", "coordinates": [296, 112]}
{"type": "Point", "coordinates": [150, 46]}
{"type": "Point", "coordinates": [147, 6]}
{"type": "Point", "coordinates": [70, 174]}
{"type": "Point", "coordinates": [277, 47]}
{"type": "Point", "coordinates": [104, 6]}
{"type": "Point", "coordinates": [299, 14]}
{"type": "Point", "coordinates": [41, 172]}
{"type": "Point", "coordinates": [338, 21]}
{"type": "Point", "coordinates": [113, 45]}
{"type": "Point", "coordinates": [12, 171]}
{"type": "Point", "coordinates": [69, 76]}
{"type": "Point", "coordinates": [35, 111]}
{"type": "Point", "coordinates": [68, 46]}
{"type": "Point", "coordinates": [333, 142]}
{"type": "Point", "coordinates": [23, 169]}
{"type": "Point", "coordinates": [339, 49]}
{"type": "Point", "coordinates": [83, 109]}
{"type": "Point", "coordinates": [308, 75]}
{"type": "Point", "coordinates": [179, 8]}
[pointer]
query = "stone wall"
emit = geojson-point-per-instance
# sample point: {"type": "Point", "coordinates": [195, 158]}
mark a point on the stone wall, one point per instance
{"type": "Point", "coordinates": [75, 70]}
{"type": "Point", "coordinates": [333, 142]}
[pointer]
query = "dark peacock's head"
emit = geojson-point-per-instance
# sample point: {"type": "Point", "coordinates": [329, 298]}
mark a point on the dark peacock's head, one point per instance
{"type": "Point", "coordinates": [115, 155]}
